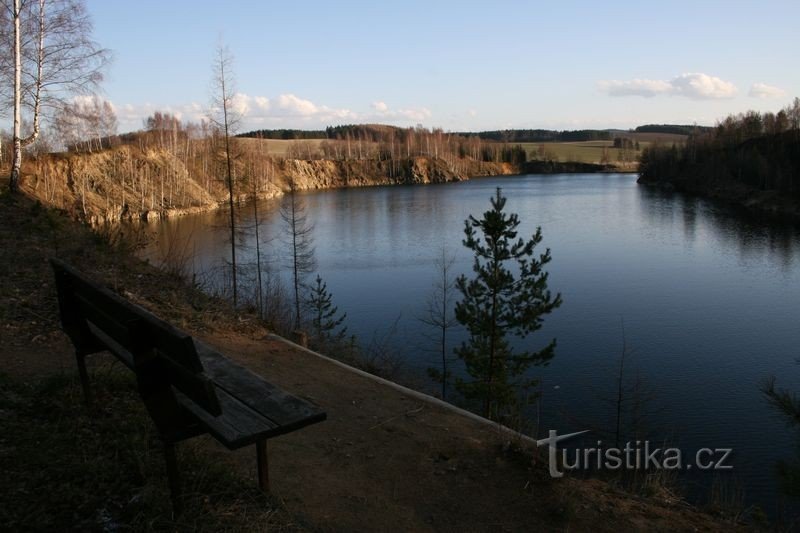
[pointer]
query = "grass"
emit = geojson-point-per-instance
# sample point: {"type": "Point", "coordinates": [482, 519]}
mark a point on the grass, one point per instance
{"type": "Point", "coordinates": [68, 468]}
{"type": "Point", "coordinates": [280, 147]}
{"type": "Point", "coordinates": [582, 152]}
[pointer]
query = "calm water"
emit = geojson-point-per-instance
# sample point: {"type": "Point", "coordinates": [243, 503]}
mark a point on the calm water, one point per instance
{"type": "Point", "coordinates": [710, 300]}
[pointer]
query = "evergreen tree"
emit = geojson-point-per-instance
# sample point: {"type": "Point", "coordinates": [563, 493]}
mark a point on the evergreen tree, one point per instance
{"type": "Point", "coordinates": [324, 319]}
{"type": "Point", "coordinates": [788, 405]}
{"type": "Point", "coordinates": [507, 296]}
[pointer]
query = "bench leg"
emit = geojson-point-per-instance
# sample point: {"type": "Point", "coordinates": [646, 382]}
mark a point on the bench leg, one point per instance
{"type": "Point", "coordinates": [172, 476]}
{"type": "Point", "coordinates": [263, 467]}
{"type": "Point", "coordinates": [84, 375]}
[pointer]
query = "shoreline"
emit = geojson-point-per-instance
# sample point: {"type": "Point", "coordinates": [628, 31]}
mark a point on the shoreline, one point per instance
{"type": "Point", "coordinates": [102, 189]}
{"type": "Point", "coordinates": [769, 204]}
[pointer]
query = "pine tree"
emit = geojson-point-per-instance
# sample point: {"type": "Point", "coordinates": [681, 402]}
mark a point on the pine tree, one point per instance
{"type": "Point", "coordinates": [324, 322]}
{"type": "Point", "coordinates": [501, 301]}
{"type": "Point", "coordinates": [788, 405]}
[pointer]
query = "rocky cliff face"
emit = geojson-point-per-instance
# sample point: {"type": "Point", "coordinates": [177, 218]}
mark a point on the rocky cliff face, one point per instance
{"type": "Point", "coordinates": [329, 174]}
{"type": "Point", "coordinates": [126, 183]}
{"type": "Point", "coordinates": [114, 185]}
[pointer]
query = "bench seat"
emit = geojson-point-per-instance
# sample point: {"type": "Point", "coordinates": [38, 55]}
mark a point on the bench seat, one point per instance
{"type": "Point", "coordinates": [188, 388]}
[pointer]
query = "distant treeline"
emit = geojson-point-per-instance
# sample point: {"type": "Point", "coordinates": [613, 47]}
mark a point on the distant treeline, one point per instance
{"type": "Point", "coordinates": [676, 129]}
{"type": "Point", "coordinates": [746, 152]}
{"type": "Point", "coordinates": [285, 134]}
{"type": "Point", "coordinates": [536, 136]}
{"type": "Point", "coordinates": [378, 132]}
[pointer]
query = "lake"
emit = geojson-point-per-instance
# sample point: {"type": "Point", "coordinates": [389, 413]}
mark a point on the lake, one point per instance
{"type": "Point", "coordinates": [709, 300]}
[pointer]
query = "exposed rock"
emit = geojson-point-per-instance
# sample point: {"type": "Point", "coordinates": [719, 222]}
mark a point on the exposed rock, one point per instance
{"type": "Point", "coordinates": [128, 184]}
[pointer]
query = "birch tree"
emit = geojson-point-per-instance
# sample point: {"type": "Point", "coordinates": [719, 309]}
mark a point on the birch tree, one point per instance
{"type": "Point", "coordinates": [86, 120]}
{"type": "Point", "coordinates": [49, 57]}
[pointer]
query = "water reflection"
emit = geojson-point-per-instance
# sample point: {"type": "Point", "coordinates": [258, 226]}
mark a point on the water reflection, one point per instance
{"type": "Point", "coordinates": [754, 236]}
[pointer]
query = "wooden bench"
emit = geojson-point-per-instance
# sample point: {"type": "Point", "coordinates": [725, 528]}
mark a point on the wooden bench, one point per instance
{"type": "Point", "coordinates": [188, 388]}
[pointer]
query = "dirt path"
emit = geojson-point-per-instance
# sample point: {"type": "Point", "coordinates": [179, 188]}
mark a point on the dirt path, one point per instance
{"type": "Point", "coordinates": [388, 461]}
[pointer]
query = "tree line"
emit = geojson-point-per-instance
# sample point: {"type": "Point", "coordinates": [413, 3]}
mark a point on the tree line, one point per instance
{"type": "Point", "coordinates": [284, 134]}
{"type": "Point", "coordinates": [676, 129]}
{"type": "Point", "coordinates": [378, 133]}
{"type": "Point", "coordinates": [540, 135]}
{"type": "Point", "coordinates": [750, 151]}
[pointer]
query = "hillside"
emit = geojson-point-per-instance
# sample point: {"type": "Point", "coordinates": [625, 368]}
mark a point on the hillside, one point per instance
{"type": "Point", "coordinates": [129, 183]}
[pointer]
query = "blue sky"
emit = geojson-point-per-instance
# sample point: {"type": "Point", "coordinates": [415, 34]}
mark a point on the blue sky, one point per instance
{"type": "Point", "coordinates": [456, 65]}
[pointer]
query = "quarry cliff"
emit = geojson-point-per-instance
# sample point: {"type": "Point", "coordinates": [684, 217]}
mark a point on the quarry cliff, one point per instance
{"type": "Point", "coordinates": [127, 183]}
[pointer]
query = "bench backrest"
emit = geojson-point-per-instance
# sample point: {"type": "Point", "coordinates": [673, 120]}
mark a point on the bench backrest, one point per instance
{"type": "Point", "coordinates": [97, 319]}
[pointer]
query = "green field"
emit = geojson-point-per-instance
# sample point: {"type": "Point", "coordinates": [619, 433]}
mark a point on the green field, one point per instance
{"type": "Point", "coordinates": [583, 152]}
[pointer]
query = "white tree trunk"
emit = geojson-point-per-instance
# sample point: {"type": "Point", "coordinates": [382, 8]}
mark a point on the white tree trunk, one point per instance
{"type": "Point", "coordinates": [16, 157]}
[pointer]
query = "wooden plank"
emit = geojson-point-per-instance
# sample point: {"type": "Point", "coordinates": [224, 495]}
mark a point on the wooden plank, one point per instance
{"type": "Point", "coordinates": [198, 387]}
{"type": "Point", "coordinates": [112, 326]}
{"type": "Point", "coordinates": [71, 321]}
{"type": "Point", "coordinates": [131, 332]}
{"type": "Point", "coordinates": [237, 426]}
{"type": "Point", "coordinates": [113, 346]}
{"type": "Point", "coordinates": [285, 410]}
{"type": "Point", "coordinates": [163, 335]}
{"type": "Point", "coordinates": [262, 465]}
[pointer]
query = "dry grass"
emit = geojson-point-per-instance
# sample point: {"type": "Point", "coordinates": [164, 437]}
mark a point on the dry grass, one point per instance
{"type": "Point", "coordinates": [280, 147]}
{"type": "Point", "coordinates": [68, 468]}
{"type": "Point", "coordinates": [65, 468]}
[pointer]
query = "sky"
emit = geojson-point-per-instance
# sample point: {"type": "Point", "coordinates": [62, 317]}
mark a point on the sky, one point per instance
{"type": "Point", "coordinates": [458, 65]}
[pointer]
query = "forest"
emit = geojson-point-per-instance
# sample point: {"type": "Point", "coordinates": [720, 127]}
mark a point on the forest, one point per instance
{"type": "Point", "coordinates": [671, 128]}
{"type": "Point", "coordinates": [742, 155]}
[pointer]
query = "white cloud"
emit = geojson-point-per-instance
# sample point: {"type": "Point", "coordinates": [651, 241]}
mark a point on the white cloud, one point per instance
{"type": "Point", "coordinates": [240, 104]}
{"type": "Point", "coordinates": [702, 86]}
{"type": "Point", "coordinates": [693, 85]}
{"type": "Point", "coordinates": [637, 87]}
{"type": "Point", "coordinates": [418, 115]}
{"type": "Point", "coordinates": [762, 90]}
{"type": "Point", "coordinates": [382, 113]}
{"type": "Point", "coordinates": [283, 111]}
{"type": "Point", "coordinates": [131, 117]}
{"type": "Point", "coordinates": [291, 105]}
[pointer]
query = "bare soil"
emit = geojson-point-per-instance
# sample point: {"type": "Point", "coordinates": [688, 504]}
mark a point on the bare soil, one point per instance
{"type": "Point", "coordinates": [384, 460]}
